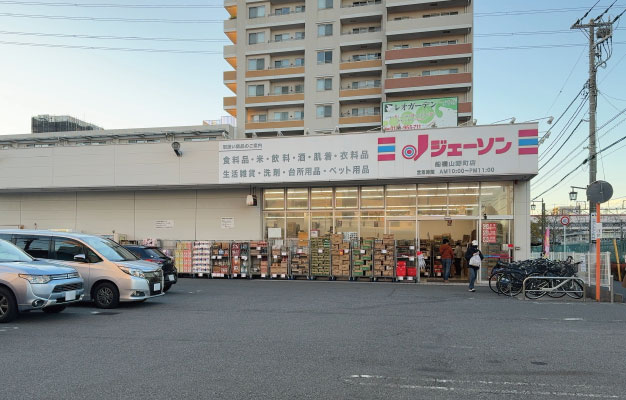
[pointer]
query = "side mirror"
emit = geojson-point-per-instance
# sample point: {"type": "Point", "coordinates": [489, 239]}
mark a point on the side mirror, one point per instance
{"type": "Point", "coordinates": [80, 258]}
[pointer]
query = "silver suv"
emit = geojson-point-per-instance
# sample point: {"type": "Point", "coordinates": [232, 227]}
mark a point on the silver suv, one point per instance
{"type": "Point", "coordinates": [112, 274]}
{"type": "Point", "coordinates": [28, 284]}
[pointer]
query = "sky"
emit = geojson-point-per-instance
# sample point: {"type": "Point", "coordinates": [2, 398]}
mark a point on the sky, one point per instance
{"type": "Point", "coordinates": [132, 89]}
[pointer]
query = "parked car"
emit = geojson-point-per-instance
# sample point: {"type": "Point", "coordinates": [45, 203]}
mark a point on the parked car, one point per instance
{"type": "Point", "coordinates": [28, 284]}
{"type": "Point", "coordinates": [155, 255]}
{"type": "Point", "coordinates": [111, 273]}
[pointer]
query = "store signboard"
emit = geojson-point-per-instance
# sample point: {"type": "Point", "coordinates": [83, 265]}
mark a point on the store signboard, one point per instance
{"type": "Point", "coordinates": [489, 232]}
{"type": "Point", "coordinates": [420, 114]}
{"type": "Point", "coordinates": [498, 150]}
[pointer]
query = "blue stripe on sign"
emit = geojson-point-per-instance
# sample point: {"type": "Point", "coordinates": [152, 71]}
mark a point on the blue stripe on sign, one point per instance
{"type": "Point", "coordinates": [382, 149]}
{"type": "Point", "coordinates": [528, 142]}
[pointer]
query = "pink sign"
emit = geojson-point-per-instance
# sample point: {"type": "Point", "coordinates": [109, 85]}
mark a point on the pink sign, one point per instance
{"type": "Point", "coordinates": [489, 232]}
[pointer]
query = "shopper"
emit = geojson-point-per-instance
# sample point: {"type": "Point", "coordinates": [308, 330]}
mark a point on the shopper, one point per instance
{"type": "Point", "coordinates": [474, 258]}
{"type": "Point", "coordinates": [447, 254]}
{"type": "Point", "coordinates": [458, 255]}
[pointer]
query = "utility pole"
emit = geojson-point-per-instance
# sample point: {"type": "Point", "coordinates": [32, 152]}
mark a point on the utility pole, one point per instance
{"type": "Point", "coordinates": [600, 34]}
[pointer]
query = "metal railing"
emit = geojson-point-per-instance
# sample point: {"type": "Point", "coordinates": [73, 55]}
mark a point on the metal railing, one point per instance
{"type": "Point", "coordinates": [556, 288]}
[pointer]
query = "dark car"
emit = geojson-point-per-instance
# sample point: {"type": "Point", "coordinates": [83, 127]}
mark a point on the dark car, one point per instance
{"type": "Point", "coordinates": [155, 255]}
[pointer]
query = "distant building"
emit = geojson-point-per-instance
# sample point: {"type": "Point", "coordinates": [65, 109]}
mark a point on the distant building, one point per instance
{"type": "Point", "coordinates": [60, 123]}
{"type": "Point", "coordinates": [224, 120]}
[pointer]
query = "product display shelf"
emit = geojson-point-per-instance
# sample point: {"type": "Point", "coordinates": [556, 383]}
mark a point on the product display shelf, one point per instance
{"type": "Point", "coordinates": [201, 258]}
{"type": "Point", "coordinates": [340, 257]}
{"type": "Point", "coordinates": [240, 259]}
{"type": "Point", "coordinates": [259, 263]}
{"type": "Point", "coordinates": [384, 259]}
{"type": "Point", "coordinates": [320, 257]}
{"type": "Point", "coordinates": [220, 260]}
{"type": "Point", "coordinates": [362, 259]}
{"type": "Point", "coordinates": [299, 261]}
{"type": "Point", "coordinates": [279, 266]}
{"type": "Point", "coordinates": [182, 259]}
{"type": "Point", "coordinates": [406, 261]}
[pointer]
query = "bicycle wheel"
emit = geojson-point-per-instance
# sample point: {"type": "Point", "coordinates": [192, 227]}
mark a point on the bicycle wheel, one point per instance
{"type": "Point", "coordinates": [503, 284]}
{"type": "Point", "coordinates": [558, 293]}
{"type": "Point", "coordinates": [575, 289]}
{"type": "Point", "coordinates": [493, 282]}
{"type": "Point", "coordinates": [534, 288]}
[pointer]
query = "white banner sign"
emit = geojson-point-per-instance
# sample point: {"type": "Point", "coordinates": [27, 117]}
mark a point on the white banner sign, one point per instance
{"type": "Point", "coordinates": [228, 222]}
{"type": "Point", "coordinates": [163, 224]}
{"type": "Point", "coordinates": [447, 152]}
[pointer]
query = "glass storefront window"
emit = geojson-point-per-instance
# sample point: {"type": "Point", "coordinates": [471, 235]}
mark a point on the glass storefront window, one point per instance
{"type": "Point", "coordinates": [494, 233]}
{"type": "Point", "coordinates": [322, 222]}
{"type": "Point", "coordinates": [298, 199]}
{"type": "Point", "coordinates": [432, 199]}
{"type": "Point", "coordinates": [321, 198]}
{"type": "Point", "coordinates": [275, 220]}
{"type": "Point", "coordinates": [347, 221]}
{"type": "Point", "coordinates": [372, 224]}
{"type": "Point", "coordinates": [496, 198]}
{"type": "Point", "coordinates": [373, 197]}
{"type": "Point", "coordinates": [297, 222]}
{"type": "Point", "coordinates": [463, 199]}
{"type": "Point", "coordinates": [400, 200]}
{"type": "Point", "coordinates": [274, 199]}
{"type": "Point", "coordinates": [347, 197]}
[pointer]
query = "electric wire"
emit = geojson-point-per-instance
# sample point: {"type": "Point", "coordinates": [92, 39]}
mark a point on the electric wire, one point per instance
{"type": "Point", "coordinates": [562, 144]}
{"type": "Point", "coordinates": [107, 5]}
{"type": "Point", "coordinates": [148, 50]}
{"type": "Point", "coordinates": [566, 127]}
{"type": "Point", "coordinates": [533, 12]}
{"type": "Point", "coordinates": [566, 81]}
{"type": "Point", "coordinates": [108, 37]}
{"type": "Point", "coordinates": [114, 19]}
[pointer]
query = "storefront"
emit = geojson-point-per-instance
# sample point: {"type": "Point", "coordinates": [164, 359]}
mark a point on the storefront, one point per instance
{"type": "Point", "coordinates": [460, 183]}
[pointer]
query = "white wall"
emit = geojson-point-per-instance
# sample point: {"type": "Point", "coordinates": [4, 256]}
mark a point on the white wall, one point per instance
{"type": "Point", "coordinates": [521, 223]}
{"type": "Point", "coordinates": [195, 214]}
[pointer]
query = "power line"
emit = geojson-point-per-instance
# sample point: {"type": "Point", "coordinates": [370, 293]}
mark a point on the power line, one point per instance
{"type": "Point", "coordinates": [530, 33]}
{"type": "Point", "coordinates": [566, 80]}
{"type": "Point", "coordinates": [566, 127]}
{"type": "Point", "coordinates": [66, 46]}
{"type": "Point", "coordinates": [107, 37]}
{"type": "Point", "coordinates": [541, 46]}
{"type": "Point", "coordinates": [562, 144]}
{"type": "Point", "coordinates": [107, 5]}
{"type": "Point", "coordinates": [528, 12]}
{"type": "Point", "coordinates": [114, 19]}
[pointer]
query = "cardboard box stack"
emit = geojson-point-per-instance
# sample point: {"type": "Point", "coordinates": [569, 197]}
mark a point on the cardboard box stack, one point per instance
{"type": "Point", "coordinates": [300, 258]}
{"type": "Point", "coordinates": [258, 256]}
{"type": "Point", "coordinates": [220, 259]}
{"type": "Point", "coordinates": [182, 257]}
{"type": "Point", "coordinates": [340, 255]}
{"type": "Point", "coordinates": [362, 258]}
{"type": "Point", "coordinates": [278, 267]}
{"type": "Point", "coordinates": [384, 256]}
{"type": "Point", "coordinates": [239, 258]}
{"type": "Point", "coordinates": [201, 258]}
{"type": "Point", "coordinates": [320, 256]}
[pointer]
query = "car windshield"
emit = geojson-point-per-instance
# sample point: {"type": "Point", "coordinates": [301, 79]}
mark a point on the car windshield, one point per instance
{"type": "Point", "coordinates": [10, 253]}
{"type": "Point", "coordinates": [154, 253]}
{"type": "Point", "coordinates": [110, 250]}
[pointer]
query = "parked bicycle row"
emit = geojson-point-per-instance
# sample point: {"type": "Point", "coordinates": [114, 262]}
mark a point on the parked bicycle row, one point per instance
{"type": "Point", "coordinates": [45, 270]}
{"type": "Point", "coordinates": [537, 278]}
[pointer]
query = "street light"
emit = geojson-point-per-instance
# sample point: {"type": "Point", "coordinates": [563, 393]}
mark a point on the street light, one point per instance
{"type": "Point", "coordinates": [533, 207]}
{"type": "Point", "coordinates": [573, 195]}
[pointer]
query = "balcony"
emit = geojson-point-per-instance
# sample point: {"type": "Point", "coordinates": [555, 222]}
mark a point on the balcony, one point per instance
{"type": "Point", "coordinates": [465, 109]}
{"type": "Point", "coordinates": [372, 65]}
{"type": "Point", "coordinates": [360, 120]}
{"type": "Point", "coordinates": [422, 4]}
{"type": "Point", "coordinates": [435, 82]}
{"type": "Point", "coordinates": [230, 105]}
{"type": "Point", "coordinates": [231, 7]}
{"type": "Point", "coordinates": [279, 99]}
{"type": "Point", "coordinates": [294, 44]}
{"type": "Point", "coordinates": [275, 72]}
{"type": "Point", "coordinates": [278, 124]}
{"type": "Point", "coordinates": [230, 55]}
{"type": "Point", "coordinates": [349, 38]}
{"type": "Point", "coordinates": [230, 29]}
{"type": "Point", "coordinates": [421, 27]}
{"type": "Point", "coordinates": [292, 18]}
{"type": "Point", "coordinates": [361, 10]}
{"type": "Point", "coordinates": [360, 93]}
{"type": "Point", "coordinates": [230, 80]}
{"type": "Point", "coordinates": [417, 54]}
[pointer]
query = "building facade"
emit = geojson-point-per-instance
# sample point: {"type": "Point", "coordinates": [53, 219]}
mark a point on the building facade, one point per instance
{"type": "Point", "coordinates": [326, 66]}
{"type": "Point", "coordinates": [59, 123]}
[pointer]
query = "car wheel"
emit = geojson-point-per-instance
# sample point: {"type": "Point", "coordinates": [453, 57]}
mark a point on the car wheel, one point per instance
{"type": "Point", "coordinates": [53, 309]}
{"type": "Point", "coordinates": [106, 295]}
{"type": "Point", "coordinates": [167, 287]}
{"type": "Point", "coordinates": [8, 306]}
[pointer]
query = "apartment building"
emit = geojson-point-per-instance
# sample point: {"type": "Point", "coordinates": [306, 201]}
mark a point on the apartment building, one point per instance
{"type": "Point", "coordinates": [325, 66]}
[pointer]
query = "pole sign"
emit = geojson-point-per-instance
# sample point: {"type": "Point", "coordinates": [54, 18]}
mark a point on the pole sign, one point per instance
{"type": "Point", "coordinates": [420, 114]}
{"type": "Point", "coordinates": [565, 220]}
{"type": "Point", "coordinates": [463, 152]}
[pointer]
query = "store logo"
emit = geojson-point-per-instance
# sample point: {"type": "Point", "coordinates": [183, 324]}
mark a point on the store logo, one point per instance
{"type": "Point", "coordinates": [528, 141]}
{"type": "Point", "coordinates": [386, 149]}
{"type": "Point", "coordinates": [411, 152]}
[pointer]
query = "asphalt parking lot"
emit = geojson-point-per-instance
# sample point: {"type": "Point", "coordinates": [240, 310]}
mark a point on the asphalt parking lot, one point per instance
{"type": "Point", "coordinates": [239, 339]}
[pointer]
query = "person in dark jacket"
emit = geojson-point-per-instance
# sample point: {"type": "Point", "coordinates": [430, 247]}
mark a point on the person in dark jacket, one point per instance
{"type": "Point", "coordinates": [472, 249]}
{"type": "Point", "coordinates": [447, 254]}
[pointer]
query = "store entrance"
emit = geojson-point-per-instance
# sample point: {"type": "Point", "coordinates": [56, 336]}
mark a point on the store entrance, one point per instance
{"type": "Point", "coordinates": [458, 232]}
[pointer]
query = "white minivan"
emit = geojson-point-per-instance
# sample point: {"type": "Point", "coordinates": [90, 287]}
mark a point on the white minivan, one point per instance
{"type": "Point", "coordinates": [111, 273]}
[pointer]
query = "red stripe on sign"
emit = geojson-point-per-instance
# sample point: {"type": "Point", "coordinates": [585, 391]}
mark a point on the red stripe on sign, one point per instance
{"type": "Point", "coordinates": [528, 132]}
{"type": "Point", "coordinates": [386, 140]}
{"type": "Point", "coordinates": [528, 150]}
{"type": "Point", "coordinates": [386, 157]}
